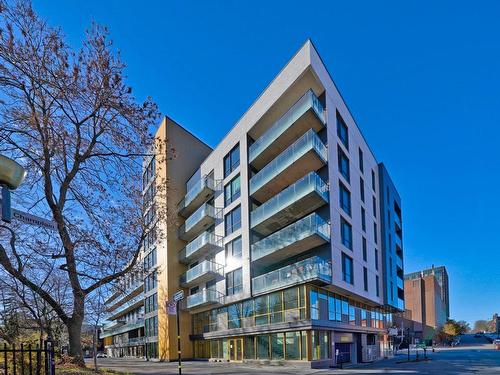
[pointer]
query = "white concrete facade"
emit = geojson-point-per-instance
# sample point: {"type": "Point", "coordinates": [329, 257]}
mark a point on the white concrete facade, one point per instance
{"type": "Point", "coordinates": [304, 71]}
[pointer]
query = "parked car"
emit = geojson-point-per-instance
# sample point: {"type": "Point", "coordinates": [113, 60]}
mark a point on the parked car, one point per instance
{"type": "Point", "coordinates": [102, 355]}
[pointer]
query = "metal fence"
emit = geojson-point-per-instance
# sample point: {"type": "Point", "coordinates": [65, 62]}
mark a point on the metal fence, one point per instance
{"type": "Point", "coordinates": [27, 359]}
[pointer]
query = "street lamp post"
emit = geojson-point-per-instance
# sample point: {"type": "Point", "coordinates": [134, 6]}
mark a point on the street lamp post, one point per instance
{"type": "Point", "coordinates": [12, 175]}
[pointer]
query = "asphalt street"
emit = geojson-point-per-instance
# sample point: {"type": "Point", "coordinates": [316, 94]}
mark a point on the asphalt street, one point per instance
{"type": "Point", "coordinates": [473, 356]}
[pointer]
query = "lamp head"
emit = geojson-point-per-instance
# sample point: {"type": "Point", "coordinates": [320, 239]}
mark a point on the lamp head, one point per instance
{"type": "Point", "coordinates": [12, 174]}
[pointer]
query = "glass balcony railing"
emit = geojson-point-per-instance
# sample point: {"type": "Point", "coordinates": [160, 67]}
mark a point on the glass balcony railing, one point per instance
{"type": "Point", "coordinates": [400, 283]}
{"type": "Point", "coordinates": [205, 297]}
{"type": "Point", "coordinates": [397, 220]}
{"type": "Point", "coordinates": [288, 197]}
{"type": "Point", "coordinates": [120, 310]}
{"type": "Point", "coordinates": [203, 271]}
{"type": "Point", "coordinates": [311, 269]}
{"type": "Point", "coordinates": [203, 216]}
{"type": "Point", "coordinates": [306, 102]}
{"type": "Point", "coordinates": [307, 142]}
{"type": "Point", "coordinates": [206, 184]}
{"type": "Point", "coordinates": [306, 228]}
{"type": "Point", "coordinates": [200, 246]}
{"type": "Point", "coordinates": [122, 328]}
{"type": "Point", "coordinates": [398, 241]}
{"type": "Point", "coordinates": [401, 304]}
{"type": "Point", "coordinates": [399, 262]}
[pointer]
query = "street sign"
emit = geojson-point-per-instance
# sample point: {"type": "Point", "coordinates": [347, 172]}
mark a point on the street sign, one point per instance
{"type": "Point", "coordinates": [178, 295]}
{"type": "Point", "coordinates": [171, 308]}
{"type": "Point", "coordinates": [30, 219]}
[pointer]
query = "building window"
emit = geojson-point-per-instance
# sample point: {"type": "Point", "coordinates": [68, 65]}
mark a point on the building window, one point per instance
{"type": "Point", "coordinates": [151, 303]}
{"type": "Point", "coordinates": [148, 173]}
{"type": "Point", "coordinates": [390, 266]}
{"type": "Point", "coordinates": [361, 163]}
{"type": "Point", "coordinates": [376, 259]}
{"type": "Point", "coordinates": [343, 164]}
{"type": "Point", "coordinates": [363, 219]}
{"type": "Point", "coordinates": [234, 282]}
{"type": "Point", "coordinates": [232, 160]}
{"type": "Point", "coordinates": [362, 189]}
{"type": "Point", "coordinates": [365, 278]}
{"type": "Point", "coordinates": [374, 203]}
{"type": "Point", "coordinates": [365, 255]}
{"type": "Point", "coordinates": [392, 291]}
{"type": "Point", "coordinates": [375, 236]}
{"type": "Point", "coordinates": [232, 190]}
{"type": "Point", "coordinates": [232, 220]}
{"type": "Point", "coordinates": [346, 233]}
{"type": "Point", "coordinates": [321, 347]}
{"type": "Point", "coordinates": [342, 132]}
{"type": "Point", "coordinates": [345, 199]}
{"type": "Point", "coordinates": [347, 269]}
{"type": "Point", "coordinates": [373, 180]}
{"type": "Point", "coordinates": [233, 249]}
{"type": "Point", "coordinates": [376, 286]}
{"type": "Point", "coordinates": [262, 346]}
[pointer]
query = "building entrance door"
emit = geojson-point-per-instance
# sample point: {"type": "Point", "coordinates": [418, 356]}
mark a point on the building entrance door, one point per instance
{"type": "Point", "coordinates": [236, 349]}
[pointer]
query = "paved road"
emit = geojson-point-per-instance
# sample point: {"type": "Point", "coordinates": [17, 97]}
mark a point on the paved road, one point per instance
{"type": "Point", "coordinates": [476, 357]}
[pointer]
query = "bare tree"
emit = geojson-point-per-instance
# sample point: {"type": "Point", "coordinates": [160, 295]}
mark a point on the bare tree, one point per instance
{"type": "Point", "coordinates": [74, 124]}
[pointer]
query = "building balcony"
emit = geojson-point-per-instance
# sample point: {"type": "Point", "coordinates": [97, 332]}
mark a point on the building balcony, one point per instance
{"type": "Point", "coordinates": [202, 218]}
{"type": "Point", "coordinates": [305, 155]}
{"type": "Point", "coordinates": [398, 241]}
{"type": "Point", "coordinates": [307, 113]}
{"type": "Point", "coordinates": [125, 295]}
{"type": "Point", "coordinates": [399, 262]}
{"type": "Point", "coordinates": [136, 340]}
{"type": "Point", "coordinates": [303, 235]}
{"type": "Point", "coordinates": [201, 273]}
{"type": "Point", "coordinates": [132, 304]}
{"type": "Point", "coordinates": [401, 304]}
{"type": "Point", "coordinates": [292, 203]}
{"type": "Point", "coordinates": [118, 329]}
{"type": "Point", "coordinates": [400, 283]}
{"type": "Point", "coordinates": [206, 243]}
{"type": "Point", "coordinates": [314, 269]}
{"type": "Point", "coordinates": [397, 221]}
{"type": "Point", "coordinates": [197, 195]}
{"type": "Point", "coordinates": [204, 298]}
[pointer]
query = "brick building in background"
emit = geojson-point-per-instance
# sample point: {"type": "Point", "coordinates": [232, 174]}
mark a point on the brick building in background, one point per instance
{"type": "Point", "coordinates": [426, 301]}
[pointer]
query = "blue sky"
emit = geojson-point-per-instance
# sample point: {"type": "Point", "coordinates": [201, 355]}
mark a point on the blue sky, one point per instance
{"type": "Point", "coordinates": [421, 79]}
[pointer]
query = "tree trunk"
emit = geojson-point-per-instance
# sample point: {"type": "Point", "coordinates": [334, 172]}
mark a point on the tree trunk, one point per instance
{"type": "Point", "coordinates": [74, 326]}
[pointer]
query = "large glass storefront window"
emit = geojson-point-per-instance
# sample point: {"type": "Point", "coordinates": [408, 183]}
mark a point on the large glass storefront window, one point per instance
{"type": "Point", "coordinates": [275, 346]}
{"type": "Point", "coordinates": [320, 345]}
{"type": "Point", "coordinates": [290, 305]}
{"type": "Point", "coordinates": [262, 343]}
{"type": "Point", "coordinates": [292, 343]}
{"type": "Point", "coordinates": [249, 347]}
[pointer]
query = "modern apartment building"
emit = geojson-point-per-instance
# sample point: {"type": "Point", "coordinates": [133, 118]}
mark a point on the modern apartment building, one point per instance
{"type": "Point", "coordinates": [286, 237]}
{"type": "Point", "coordinates": [427, 300]}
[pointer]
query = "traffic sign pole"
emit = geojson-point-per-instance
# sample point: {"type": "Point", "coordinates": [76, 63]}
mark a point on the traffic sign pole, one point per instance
{"type": "Point", "coordinates": [178, 296]}
{"type": "Point", "coordinates": [178, 337]}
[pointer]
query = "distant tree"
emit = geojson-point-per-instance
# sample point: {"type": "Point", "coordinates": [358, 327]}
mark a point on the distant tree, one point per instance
{"type": "Point", "coordinates": [71, 120]}
{"type": "Point", "coordinates": [484, 326]}
{"type": "Point", "coordinates": [450, 330]}
{"type": "Point", "coordinates": [464, 327]}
